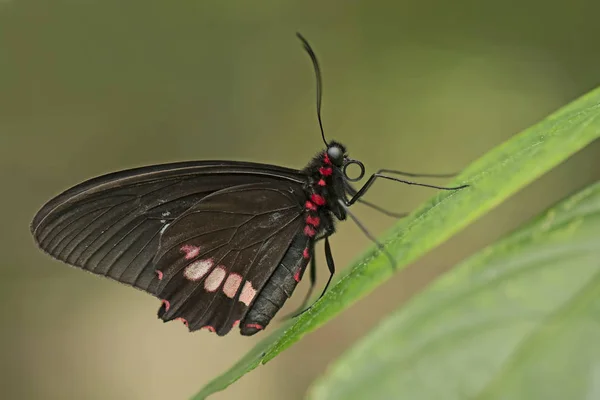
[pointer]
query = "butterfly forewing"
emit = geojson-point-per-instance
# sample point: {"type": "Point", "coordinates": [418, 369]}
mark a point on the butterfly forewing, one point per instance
{"type": "Point", "coordinates": [216, 257]}
{"type": "Point", "coordinates": [111, 225]}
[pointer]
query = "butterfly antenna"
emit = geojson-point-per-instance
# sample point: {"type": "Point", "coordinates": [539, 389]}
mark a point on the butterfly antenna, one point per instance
{"type": "Point", "coordinates": [313, 57]}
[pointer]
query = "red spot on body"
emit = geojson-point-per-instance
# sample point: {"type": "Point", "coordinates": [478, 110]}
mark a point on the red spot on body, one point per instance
{"type": "Point", "coordinates": [236, 322]}
{"type": "Point", "coordinates": [209, 328]}
{"type": "Point", "coordinates": [167, 304]}
{"type": "Point", "coordinates": [314, 221]}
{"type": "Point", "coordinates": [255, 326]}
{"type": "Point", "coordinates": [309, 231]}
{"type": "Point", "coordinates": [183, 320]}
{"type": "Point", "coordinates": [305, 253]}
{"type": "Point", "coordinates": [325, 171]}
{"type": "Point", "coordinates": [190, 251]}
{"type": "Point", "coordinates": [297, 275]}
{"type": "Point", "coordinates": [322, 183]}
{"type": "Point", "coordinates": [318, 199]}
{"type": "Point", "coordinates": [159, 274]}
{"type": "Point", "coordinates": [310, 206]}
{"type": "Point", "coordinates": [326, 158]}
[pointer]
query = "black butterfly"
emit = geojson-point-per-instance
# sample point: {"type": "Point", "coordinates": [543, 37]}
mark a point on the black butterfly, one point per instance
{"type": "Point", "coordinates": [220, 243]}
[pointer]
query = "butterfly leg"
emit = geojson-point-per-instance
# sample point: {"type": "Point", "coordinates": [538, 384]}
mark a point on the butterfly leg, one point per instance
{"type": "Point", "coordinates": [376, 175]}
{"type": "Point", "coordinates": [369, 234]}
{"type": "Point", "coordinates": [413, 175]}
{"type": "Point", "coordinates": [312, 277]}
{"type": "Point", "coordinates": [382, 210]}
{"type": "Point", "coordinates": [330, 265]}
{"type": "Point", "coordinates": [351, 190]}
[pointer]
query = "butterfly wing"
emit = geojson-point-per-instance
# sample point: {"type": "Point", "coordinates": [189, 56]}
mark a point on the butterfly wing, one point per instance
{"type": "Point", "coordinates": [215, 259]}
{"type": "Point", "coordinates": [111, 225]}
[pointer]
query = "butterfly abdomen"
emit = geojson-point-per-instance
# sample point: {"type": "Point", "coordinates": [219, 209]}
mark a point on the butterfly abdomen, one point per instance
{"type": "Point", "coordinates": [279, 287]}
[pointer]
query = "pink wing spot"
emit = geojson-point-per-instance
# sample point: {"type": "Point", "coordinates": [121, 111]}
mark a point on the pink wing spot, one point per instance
{"type": "Point", "coordinates": [310, 206]}
{"type": "Point", "coordinates": [236, 323]}
{"type": "Point", "coordinates": [209, 328]}
{"type": "Point", "coordinates": [248, 293]}
{"type": "Point", "coordinates": [190, 251]}
{"type": "Point", "coordinates": [232, 284]}
{"type": "Point", "coordinates": [305, 253]}
{"type": "Point", "coordinates": [322, 183]}
{"type": "Point", "coordinates": [196, 270]}
{"type": "Point", "coordinates": [308, 231]}
{"type": "Point", "coordinates": [314, 221]}
{"type": "Point", "coordinates": [167, 304]}
{"type": "Point", "coordinates": [159, 275]}
{"type": "Point", "coordinates": [326, 171]}
{"type": "Point", "coordinates": [297, 275]}
{"type": "Point", "coordinates": [318, 199]}
{"type": "Point", "coordinates": [183, 320]}
{"type": "Point", "coordinates": [214, 279]}
{"type": "Point", "coordinates": [255, 326]}
{"type": "Point", "coordinates": [326, 159]}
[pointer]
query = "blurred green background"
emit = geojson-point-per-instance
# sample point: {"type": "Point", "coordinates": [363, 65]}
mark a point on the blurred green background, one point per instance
{"type": "Point", "coordinates": [89, 87]}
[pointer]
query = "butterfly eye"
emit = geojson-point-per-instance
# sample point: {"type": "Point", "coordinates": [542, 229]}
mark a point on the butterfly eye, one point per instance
{"type": "Point", "coordinates": [336, 155]}
{"type": "Point", "coordinates": [350, 162]}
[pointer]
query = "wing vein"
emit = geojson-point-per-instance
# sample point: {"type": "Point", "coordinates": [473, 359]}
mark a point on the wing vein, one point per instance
{"type": "Point", "coordinates": [138, 254]}
{"type": "Point", "coordinates": [75, 219]}
{"type": "Point", "coordinates": [187, 239]}
{"type": "Point", "coordinates": [123, 237]}
{"type": "Point", "coordinates": [112, 225]}
{"type": "Point", "coordinates": [89, 233]}
{"type": "Point", "coordinates": [42, 238]}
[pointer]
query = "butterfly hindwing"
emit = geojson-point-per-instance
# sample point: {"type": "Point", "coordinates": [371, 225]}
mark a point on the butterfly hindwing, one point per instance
{"type": "Point", "coordinates": [216, 257]}
{"type": "Point", "coordinates": [111, 225]}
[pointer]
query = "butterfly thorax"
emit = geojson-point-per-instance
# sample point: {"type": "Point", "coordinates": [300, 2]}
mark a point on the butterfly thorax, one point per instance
{"type": "Point", "coordinates": [325, 189]}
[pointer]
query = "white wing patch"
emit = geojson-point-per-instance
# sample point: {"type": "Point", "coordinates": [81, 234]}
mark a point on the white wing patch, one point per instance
{"type": "Point", "coordinates": [196, 270]}
{"type": "Point", "coordinates": [214, 280]}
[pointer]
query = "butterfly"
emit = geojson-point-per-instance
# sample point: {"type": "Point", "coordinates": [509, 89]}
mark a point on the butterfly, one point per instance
{"type": "Point", "coordinates": [220, 243]}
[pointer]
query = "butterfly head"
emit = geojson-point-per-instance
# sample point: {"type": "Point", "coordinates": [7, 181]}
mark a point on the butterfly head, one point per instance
{"type": "Point", "coordinates": [338, 157]}
{"type": "Point", "coordinates": [336, 152]}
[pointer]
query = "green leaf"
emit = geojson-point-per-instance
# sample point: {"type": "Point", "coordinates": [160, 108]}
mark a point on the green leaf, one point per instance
{"type": "Point", "coordinates": [519, 320]}
{"type": "Point", "coordinates": [493, 178]}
